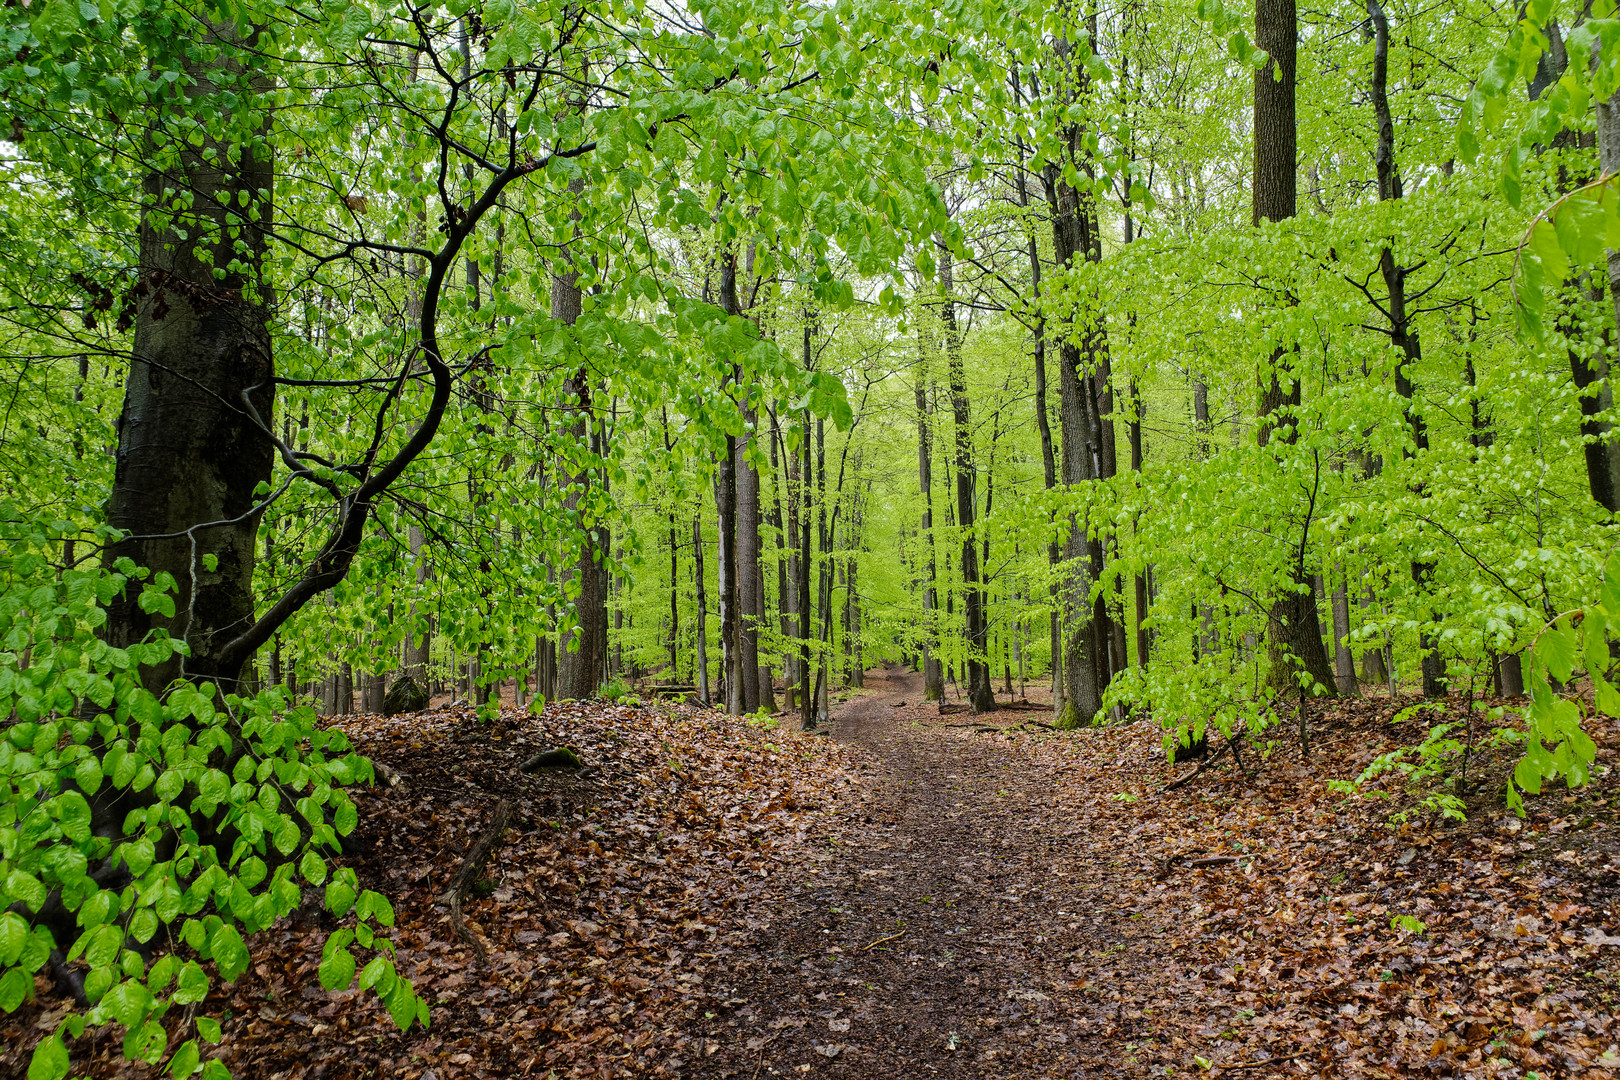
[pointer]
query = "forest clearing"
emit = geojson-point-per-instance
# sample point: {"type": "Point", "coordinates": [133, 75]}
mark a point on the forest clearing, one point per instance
{"type": "Point", "coordinates": [994, 538]}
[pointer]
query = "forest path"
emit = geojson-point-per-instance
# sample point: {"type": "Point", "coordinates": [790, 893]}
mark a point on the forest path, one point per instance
{"type": "Point", "coordinates": [1008, 915]}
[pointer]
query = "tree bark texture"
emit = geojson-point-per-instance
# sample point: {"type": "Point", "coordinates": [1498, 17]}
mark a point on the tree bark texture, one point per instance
{"type": "Point", "coordinates": [194, 436]}
{"type": "Point", "coordinates": [981, 693]}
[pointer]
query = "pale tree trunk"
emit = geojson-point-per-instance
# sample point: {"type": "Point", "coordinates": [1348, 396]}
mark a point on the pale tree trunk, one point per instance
{"type": "Point", "coordinates": [749, 598]}
{"type": "Point", "coordinates": [1344, 661]}
{"type": "Point", "coordinates": [933, 668]}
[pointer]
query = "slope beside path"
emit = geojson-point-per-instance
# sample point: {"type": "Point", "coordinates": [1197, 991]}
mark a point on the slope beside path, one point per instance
{"type": "Point", "coordinates": [1028, 904]}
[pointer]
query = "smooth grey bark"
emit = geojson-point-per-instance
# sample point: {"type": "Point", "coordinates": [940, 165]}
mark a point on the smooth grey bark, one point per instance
{"type": "Point", "coordinates": [1344, 660]}
{"type": "Point", "coordinates": [933, 668]}
{"type": "Point", "coordinates": [749, 592]}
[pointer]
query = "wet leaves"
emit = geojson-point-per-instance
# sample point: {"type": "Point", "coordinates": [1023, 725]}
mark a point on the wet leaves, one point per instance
{"type": "Point", "coordinates": [611, 900]}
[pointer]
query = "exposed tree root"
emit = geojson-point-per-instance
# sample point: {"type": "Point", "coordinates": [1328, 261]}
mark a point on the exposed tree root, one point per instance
{"type": "Point", "coordinates": [470, 869]}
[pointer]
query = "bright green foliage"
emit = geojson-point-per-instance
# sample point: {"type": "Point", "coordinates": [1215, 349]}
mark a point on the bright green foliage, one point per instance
{"type": "Point", "coordinates": [1555, 746]}
{"type": "Point", "coordinates": [225, 801]}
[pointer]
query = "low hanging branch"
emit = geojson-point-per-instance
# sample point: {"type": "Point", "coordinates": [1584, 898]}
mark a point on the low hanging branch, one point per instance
{"type": "Point", "coordinates": [470, 870]}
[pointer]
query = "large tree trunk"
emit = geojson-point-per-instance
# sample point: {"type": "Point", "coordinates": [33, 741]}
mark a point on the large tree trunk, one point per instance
{"type": "Point", "coordinates": [981, 694]}
{"type": "Point", "coordinates": [1294, 638]}
{"type": "Point", "coordinates": [194, 436]}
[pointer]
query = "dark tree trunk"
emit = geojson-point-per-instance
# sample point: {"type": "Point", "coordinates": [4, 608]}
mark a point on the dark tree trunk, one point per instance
{"type": "Point", "coordinates": [748, 579]}
{"type": "Point", "coordinates": [1294, 637]}
{"type": "Point", "coordinates": [700, 611]}
{"type": "Point", "coordinates": [807, 703]}
{"type": "Point", "coordinates": [981, 693]}
{"type": "Point", "coordinates": [194, 436]}
{"type": "Point", "coordinates": [1403, 335]}
{"type": "Point", "coordinates": [579, 656]}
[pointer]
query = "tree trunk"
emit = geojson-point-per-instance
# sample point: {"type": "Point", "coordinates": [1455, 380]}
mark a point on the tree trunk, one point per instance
{"type": "Point", "coordinates": [981, 694]}
{"type": "Point", "coordinates": [1603, 462]}
{"type": "Point", "coordinates": [749, 600]}
{"type": "Point", "coordinates": [1344, 661]}
{"type": "Point", "coordinates": [1294, 638]}
{"type": "Point", "coordinates": [1402, 334]}
{"type": "Point", "coordinates": [700, 611]}
{"type": "Point", "coordinates": [807, 703]}
{"type": "Point", "coordinates": [579, 659]}
{"type": "Point", "coordinates": [933, 668]}
{"type": "Point", "coordinates": [194, 436]}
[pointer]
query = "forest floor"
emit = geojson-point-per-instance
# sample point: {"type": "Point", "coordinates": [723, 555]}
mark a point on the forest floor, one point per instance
{"type": "Point", "coordinates": [924, 895]}
{"type": "Point", "coordinates": [1026, 904]}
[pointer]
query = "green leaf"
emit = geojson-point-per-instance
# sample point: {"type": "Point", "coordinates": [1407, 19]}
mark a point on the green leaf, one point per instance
{"type": "Point", "coordinates": [208, 1028]}
{"type": "Point", "coordinates": [229, 953]}
{"type": "Point", "coordinates": [313, 867]}
{"type": "Point", "coordinates": [337, 969]}
{"type": "Point", "coordinates": [1556, 652]}
{"type": "Point", "coordinates": [186, 1060]}
{"type": "Point", "coordinates": [15, 986]}
{"type": "Point", "coordinates": [401, 1002]}
{"type": "Point", "coordinates": [50, 1061]}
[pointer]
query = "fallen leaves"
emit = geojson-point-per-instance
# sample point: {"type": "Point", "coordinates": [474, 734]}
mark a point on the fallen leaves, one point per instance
{"type": "Point", "coordinates": [609, 901]}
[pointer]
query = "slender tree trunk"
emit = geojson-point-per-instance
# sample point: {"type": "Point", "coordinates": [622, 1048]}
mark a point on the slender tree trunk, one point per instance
{"type": "Point", "coordinates": [933, 669]}
{"type": "Point", "coordinates": [700, 611]}
{"type": "Point", "coordinates": [1403, 335]}
{"type": "Point", "coordinates": [749, 598]}
{"type": "Point", "coordinates": [807, 702]}
{"type": "Point", "coordinates": [981, 694]}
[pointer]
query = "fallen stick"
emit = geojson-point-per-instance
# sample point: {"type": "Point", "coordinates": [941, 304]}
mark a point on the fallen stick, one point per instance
{"type": "Point", "coordinates": [881, 940]}
{"type": "Point", "coordinates": [1259, 1064]}
{"type": "Point", "coordinates": [1173, 861]}
{"type": "Point", "coordinates": [1230, 744]}
{"type": "Point", "coordinates": [471, 867]}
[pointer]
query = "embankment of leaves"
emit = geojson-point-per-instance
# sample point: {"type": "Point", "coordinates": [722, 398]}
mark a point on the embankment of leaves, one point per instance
{"type": "Point", "coordinates": [1503, 959]}
{"type": "Point", "coordinates": [601, 911]}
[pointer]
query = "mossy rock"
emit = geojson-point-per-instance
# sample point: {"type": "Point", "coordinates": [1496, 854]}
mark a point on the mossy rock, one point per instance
{"type": "Point", "coordinates": [405, 695]}
{"type": "Point", "coordinates": [1070, 718]}
{"type": "Point", "coordinates": [559, 757]}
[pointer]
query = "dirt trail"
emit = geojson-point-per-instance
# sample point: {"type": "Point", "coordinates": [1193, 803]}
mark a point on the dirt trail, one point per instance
{"type": "Point", "coordinates": [983, 888]}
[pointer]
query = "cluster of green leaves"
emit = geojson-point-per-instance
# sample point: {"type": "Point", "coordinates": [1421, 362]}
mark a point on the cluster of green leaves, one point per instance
{"type": "Point", "coordinates": [1556, 747]}
{"type": "Point", "coordinates": [163, 830]}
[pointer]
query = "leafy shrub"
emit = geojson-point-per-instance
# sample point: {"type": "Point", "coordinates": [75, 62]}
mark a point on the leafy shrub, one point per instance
{"type": "Point", "coordinates": [128, 818]}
